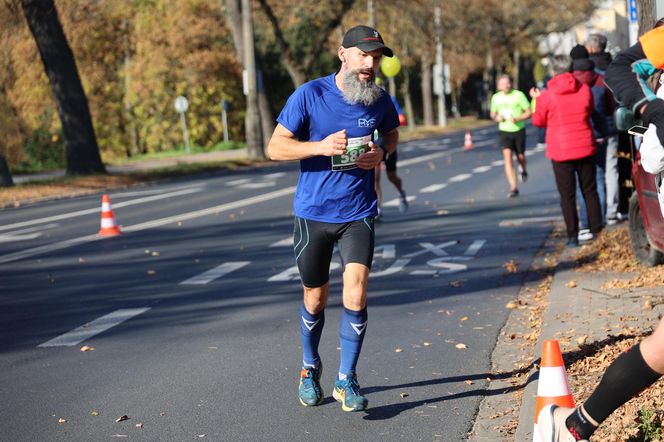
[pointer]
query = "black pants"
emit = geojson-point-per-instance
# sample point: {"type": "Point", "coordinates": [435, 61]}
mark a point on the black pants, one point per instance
{"type": "Point", "coordinates": [566, 173]}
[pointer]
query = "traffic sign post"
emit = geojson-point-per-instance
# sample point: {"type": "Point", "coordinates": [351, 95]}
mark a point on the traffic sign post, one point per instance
{"type": "Point", "coordinates": [224, 119]}
{"type": "Point", "coordinates": [181, 106]}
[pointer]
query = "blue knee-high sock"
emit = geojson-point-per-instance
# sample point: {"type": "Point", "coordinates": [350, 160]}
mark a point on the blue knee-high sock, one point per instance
{"type": "Point", "coordinates": [311, 328]}
{"type": "Point", "coordinates": [351, 335]}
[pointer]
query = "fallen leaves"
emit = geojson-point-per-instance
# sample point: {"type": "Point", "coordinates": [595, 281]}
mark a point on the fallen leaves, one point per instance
{"type": "Point", "coordinates": [403, 395]}
{"type": "Point", "coordinates": [511, 266]}
{"type": "Point", "coordinates": [398, 350]}
{"type": "Point", "coordinates": [62, 421]}
{"type": "Point", "coordinates": [94, 413]}
{"type": "Point", "coordinates": [456, 284]}
{"type": "Point", "coordinates": [124, 417]}
{"type": "Point", "coordinates": [571, 284]}
{"type": "Point", "coordinates": [87, 348]}
{"type": "Point", "coordinates": [461, 346]}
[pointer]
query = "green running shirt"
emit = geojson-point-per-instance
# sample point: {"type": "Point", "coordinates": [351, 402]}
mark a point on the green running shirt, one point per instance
{"type": "Point", "coordinates": [510, 105]}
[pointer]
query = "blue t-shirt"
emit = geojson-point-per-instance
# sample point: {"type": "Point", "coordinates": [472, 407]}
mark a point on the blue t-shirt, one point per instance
{"type": "Point", "coordinates": [314, 111]}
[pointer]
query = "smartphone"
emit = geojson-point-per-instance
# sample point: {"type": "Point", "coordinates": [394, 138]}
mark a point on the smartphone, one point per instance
{"type": "Point", "coordinates": [638, 131]}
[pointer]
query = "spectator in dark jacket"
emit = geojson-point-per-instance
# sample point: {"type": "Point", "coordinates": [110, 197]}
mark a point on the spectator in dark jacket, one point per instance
{"type": "Point", "coordinates": [596, 46]}
{"type": "Point", "coordinates": [564, 108]}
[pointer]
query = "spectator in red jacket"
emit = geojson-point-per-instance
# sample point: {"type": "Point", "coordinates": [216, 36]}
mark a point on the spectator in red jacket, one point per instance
{"type": "Point", "coordinates": [564, 108]}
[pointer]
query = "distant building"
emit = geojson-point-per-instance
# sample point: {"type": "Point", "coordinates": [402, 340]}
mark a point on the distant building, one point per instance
{"type": "Point", "coordinates": [610, 18]}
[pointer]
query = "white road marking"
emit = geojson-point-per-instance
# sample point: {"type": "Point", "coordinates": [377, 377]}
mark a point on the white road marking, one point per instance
{"type": "Point", "coordinates": [286, 242]}
{"type": "Point", "coordinates": [433, 188]}
{"type": "Point", "coordinates": [215, 273]}
{"type": "Point", "coordinates": [93, 328]}
{"type": "Point", "coordinates": [396, 267]}
{"type": "Point", "coordinates": [25, 234]}
{"type": "Point", "coordinates": [395, 201]}
{"type": "Point", "coordinates": [272, 176]}
{"type": "Point", "coordinates": [498, 163]}
{"type": "Point", "coordinates": [481, 169]}
{"type": "Point", "coordinates": [521, 221]}
{"type": "Point", "coordinates": [475, 247]}
{"type": "Point", "coordinates": [461, 177]}
{"type": "Point", "coordinates": [387, 251]}
{"type": "Point", "coordinates": [147, 199]}
{"type": "Point", "coordinates": [148, 225]}
{"type": "Point", "coordinates": [258, 185]}
{"type": "Point", "coordinates": [293, 274]}
{"type": "Point", "coordinates": [530, 152]}
{"type": "Point", "coordinates": [238, 182]}
{"type": "Point", "coordinates": [435, 250]}
{"type": "Point", "coordinates": [431, 156]}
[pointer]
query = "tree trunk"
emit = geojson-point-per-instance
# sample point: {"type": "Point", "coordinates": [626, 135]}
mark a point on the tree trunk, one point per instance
{"type": "Point", "coordinates": [371, 10]}
{"type": "Point", "coordinates": [253, 135]}
{"type": "Point", "coordinates": [427, 93]}
{"type": "Point", "coordinates": [233, 12]}
{"type": "Point", "coordinates": [646, 11]}
{"type": "Point", "coordinates": [5, 175]}
{"type": "Point", "coordinates": [82, 152]}
{"type": "Point", "coordinates": [408, 102]}
{"type": "Point", "coordinates": [128, 114]}
{"type": "Point", "coordinates": [517, 70]}
{"type": "Point", "coordinates": [489, 82]}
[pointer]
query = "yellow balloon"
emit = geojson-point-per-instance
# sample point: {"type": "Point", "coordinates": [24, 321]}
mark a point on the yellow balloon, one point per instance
{"type": "Point", "coordinates": [390, 66]}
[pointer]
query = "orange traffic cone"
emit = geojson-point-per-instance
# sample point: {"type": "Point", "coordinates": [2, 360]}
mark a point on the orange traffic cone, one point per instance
{"type": "Point", "coordinates": [468, 141]}
{"type": "Point", "coordinates": [108, 225]}
{"type": "Point", "coordinates": [552, 387]}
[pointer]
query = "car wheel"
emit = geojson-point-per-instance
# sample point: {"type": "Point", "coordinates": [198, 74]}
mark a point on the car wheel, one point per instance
{"type": "Point", "coordinates": [644, 251]}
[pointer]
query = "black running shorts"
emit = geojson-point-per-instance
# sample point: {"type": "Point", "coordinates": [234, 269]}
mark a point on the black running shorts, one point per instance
{"type": "Point", "coordinates": [513, 140]}
{"type": "Point", "coordinates": [391, 162]}
{"type": "Point", "coordinates": [314, 243]}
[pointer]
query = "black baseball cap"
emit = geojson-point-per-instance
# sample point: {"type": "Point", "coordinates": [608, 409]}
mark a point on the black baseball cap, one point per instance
{"type": "Point", "coordinates": [367, 39]}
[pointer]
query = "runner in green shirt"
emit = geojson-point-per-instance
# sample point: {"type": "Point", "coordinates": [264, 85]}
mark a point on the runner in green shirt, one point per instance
{"type": "Point", "coordinates": [510, 108]}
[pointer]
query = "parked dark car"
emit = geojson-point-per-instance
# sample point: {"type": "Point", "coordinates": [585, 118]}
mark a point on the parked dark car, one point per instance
{"type": "Point", "coordinates": [646, 224]}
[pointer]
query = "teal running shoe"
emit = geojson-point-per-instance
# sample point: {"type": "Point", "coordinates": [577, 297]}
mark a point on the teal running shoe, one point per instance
{"type": "Point", "coordinates": [310, 392]}
{"type": "Point", "coordinates": [347, 392]}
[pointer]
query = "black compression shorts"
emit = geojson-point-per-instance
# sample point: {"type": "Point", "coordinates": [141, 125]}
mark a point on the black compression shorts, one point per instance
{"type": "Point", "coordinates": [314, 243]}
{"type": "Point", "coordinates": [391, 162]}
{"type": "Point", "coordinates": [516, 141]}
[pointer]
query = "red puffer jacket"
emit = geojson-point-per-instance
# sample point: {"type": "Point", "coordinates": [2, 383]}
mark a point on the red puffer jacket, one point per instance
{"type": "Point", "coordinates": [564, 108]}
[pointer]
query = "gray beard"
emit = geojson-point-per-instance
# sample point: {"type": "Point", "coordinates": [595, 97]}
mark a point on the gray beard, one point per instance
{"type": "Point", "coordinates": [358, 92]}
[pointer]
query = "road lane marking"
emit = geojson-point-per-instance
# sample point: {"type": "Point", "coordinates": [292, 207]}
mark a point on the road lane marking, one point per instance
{"type": "Point", "coordinates": [148, 225]}
{"type": "Point", "coordinates": [431, 156]}
{"type": "Point", "coordinates": [481, 169]}
{"type": "Point", "coordinates": [238, 182]}
{"type": "Point", "coordinates": [215, 273]}
{"type": "Point", "coordinates": [286, 242]}
{"type": "Point", "coordinates": [93, 328]}
{"type": "Point", "coordinates": [461, 177]}
{"type": "Point", "coordinates": [395, 201]}
{"type": "Point", "coordinates": [293, 274]}
{"type": "Point", "coordinates": [25, 234]}
{"type": "Point", "coordinates": [475, 247]}
{"type": "Point", "coordinates": [271, 176]}
{"type": "Point", "coordinates": [116, 206]}
{"type": "Point", "coordinates": [498, 163]}
{"type": "Point", "coordinates": [396, 267]}
{"type": "Point", "coordinates": [258, 185]}
{"type": "Point", "coordinates": [521, 221]}
{"type": "Point", "coordinates": [433, 188]}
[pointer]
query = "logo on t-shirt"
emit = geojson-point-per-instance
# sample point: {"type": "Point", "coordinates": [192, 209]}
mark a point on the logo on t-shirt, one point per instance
{"type": "Point", "coordinates": [366, 122]}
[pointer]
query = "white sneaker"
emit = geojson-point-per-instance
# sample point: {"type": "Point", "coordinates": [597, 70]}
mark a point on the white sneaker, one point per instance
{"type": "Point", "coordinates": [403, 203]}
{"type": "Point", "coordinates": [585, 235]}
{"type": "Point", "coordinates": [551, 424]}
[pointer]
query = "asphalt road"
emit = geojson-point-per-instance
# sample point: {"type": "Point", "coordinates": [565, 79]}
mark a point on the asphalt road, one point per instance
{"type": "Point", "coordinates": [193, 310]}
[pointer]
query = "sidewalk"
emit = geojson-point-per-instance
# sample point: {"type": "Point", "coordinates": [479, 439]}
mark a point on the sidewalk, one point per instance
{"type": "Point", "coordinates": [579, 312]}
{"type": "Point", "coordinates": [145, 164]}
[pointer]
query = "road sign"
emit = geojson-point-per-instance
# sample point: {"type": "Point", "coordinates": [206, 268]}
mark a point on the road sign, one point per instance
{"type": "Point", "coordinates": [633, 17]}
{"type": "Point", "coordinates": [181, 104]}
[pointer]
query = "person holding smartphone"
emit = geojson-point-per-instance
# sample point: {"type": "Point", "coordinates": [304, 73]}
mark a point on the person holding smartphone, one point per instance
{"type": "Point", "coordinates": [564, 108]}
{"type": "Point", "coordinates": [642, 365]}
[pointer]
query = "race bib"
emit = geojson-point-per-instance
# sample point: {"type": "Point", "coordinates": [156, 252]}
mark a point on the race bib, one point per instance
{"type": "Point", "coordinates": [355, 147]}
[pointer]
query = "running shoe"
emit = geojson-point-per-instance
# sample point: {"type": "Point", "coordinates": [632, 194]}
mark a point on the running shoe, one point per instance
{"type": "Point", "coordinates": [585, 235]}
{"type": "Point", "coordinates": [347, 392]}
{"type": "Point", "coordinates": [573, 242]}
{"type": "Point", "coordinates": [524, 176]}
{"type": "Point", "coordinates": [403, 202]}
{"type": "Point", "coordinates": [551, 424]}
{"type": "Point", "coordinates": [310, 391]}
{"type": "Point", "coordinates": [513, 193]}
